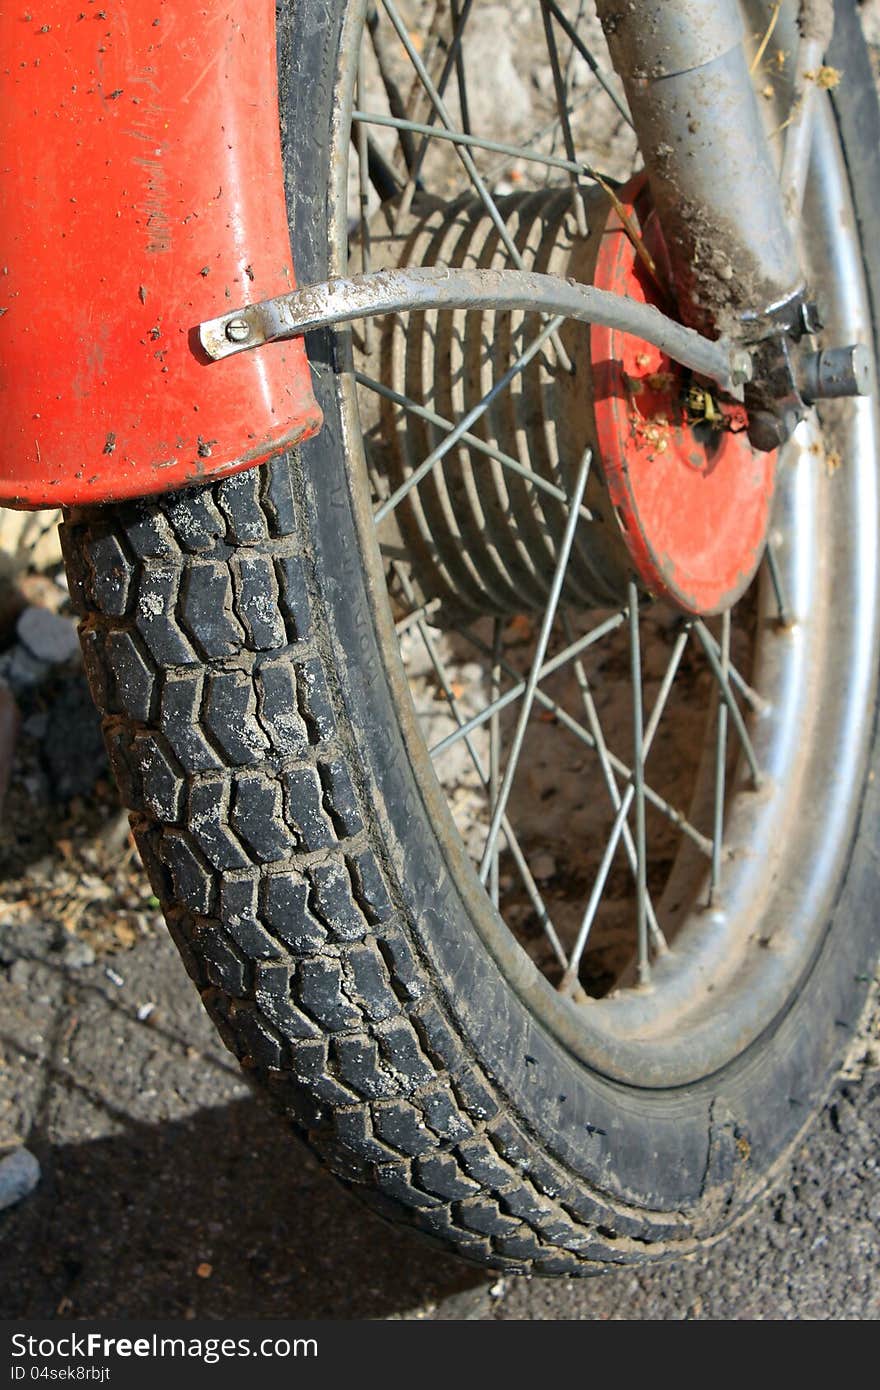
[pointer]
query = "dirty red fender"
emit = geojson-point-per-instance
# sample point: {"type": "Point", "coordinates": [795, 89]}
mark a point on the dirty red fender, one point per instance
{"type": "Point", "coordinates": [141, 191]}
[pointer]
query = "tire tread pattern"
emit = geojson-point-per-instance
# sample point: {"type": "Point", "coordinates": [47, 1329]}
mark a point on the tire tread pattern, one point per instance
{"type": "Point", "coordinates": [220, 723]}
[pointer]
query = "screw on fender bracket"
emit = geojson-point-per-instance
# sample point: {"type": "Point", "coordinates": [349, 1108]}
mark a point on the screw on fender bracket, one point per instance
{"type": "Point", "coordinates": [238, 330]}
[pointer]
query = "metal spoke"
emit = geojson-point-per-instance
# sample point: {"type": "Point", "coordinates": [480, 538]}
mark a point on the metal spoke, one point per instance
{"type": "Point", "coordinates": [476, 142]}
{"type": "Point", "coordinates": [595, 727]}
{"type": "Point", "coordinates": [711, 650]}
{"type": "Point", "coordinates": [642, 967]}
{"type": "Point", "coordinates": [470, 167]}
{"type": "Point", "coordinates": [749, 694]}
{"type": "Point", "coordinates": [414, 157]}
{"type": "Point", "coordinates": [465, 423]}
{"type": "Point", "coordinates": [665, 689]}
{"type": "Point", "coordinates": [531, 887]}
{"type": "Point", "coordinates": [549, 128]}
{"type": "Point", "coordinates": [473, 441]}
{"type": "Point", "coordinates": [515, 691]}
{"type": "Point", "coordinates": [570, 980]}
{"type": "Point", "coordinates": [379, 171]}
{"type": "Point", "coordinates": [430, 40]}
{"type": "Point", "coordinates": [396, 102]}
{"type": "Point", "coordinates": [453, 58]}
{"type": "Point", "coordinates": [672, 814]}
{"type": "Point", "coordinates": [562, 108]}
{"type": "Point", "coordinates": [626, 786]}
{"type": "Point", "coordinates": [720, 766]}
{"type": "Point", "coordinates": [570, 61]}
{"type": "Point", "coordinates": [578, 43]}
{"type": "Point", "coordinates": [783, 616]}
{"type": "Point", "coordinates": [534, 893]}
{"type": "Point", "coordinates": [443, 114]}
{"type": "Point", "coordinates": [660, 803]}
{"type": "Point", "coordinates": [459, 19]}
{"type": "Point", "coordinates": [537, 661]}
{"type": "Point", "coordinates": [417, 615]}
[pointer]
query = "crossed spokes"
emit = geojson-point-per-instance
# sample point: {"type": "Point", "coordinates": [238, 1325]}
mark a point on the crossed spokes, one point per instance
{"type": "Point", "coordinates": [522, 698]}
{"type": "Point", "coordinates": [630, 692]}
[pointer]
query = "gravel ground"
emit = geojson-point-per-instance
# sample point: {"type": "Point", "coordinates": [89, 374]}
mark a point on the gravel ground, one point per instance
{"type": "Point", "coordinates": [168, 1189]}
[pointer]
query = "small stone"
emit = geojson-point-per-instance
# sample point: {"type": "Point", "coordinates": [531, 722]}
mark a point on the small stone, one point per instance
{"type": "Point", "coordinates": [543, 866]}
{"type": "Point", "coordinates": [77, 954]}
{"type": "Point", "coordinates": [49, 637]}
{"type": "Point", "coordinates": [21, 670]}
{"type": "Point", "coordinates": [19, 1175]}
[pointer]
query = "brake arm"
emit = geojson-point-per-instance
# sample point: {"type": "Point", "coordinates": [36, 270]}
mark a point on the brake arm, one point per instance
{"type": "Point", "coordinates": [395, 291]}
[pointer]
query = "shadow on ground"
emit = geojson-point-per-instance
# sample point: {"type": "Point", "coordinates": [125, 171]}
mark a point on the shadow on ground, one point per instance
{"type": "Point", "coordinates": [131, 1225]}
{"type": "Point", "coordinates": [170, 1190]}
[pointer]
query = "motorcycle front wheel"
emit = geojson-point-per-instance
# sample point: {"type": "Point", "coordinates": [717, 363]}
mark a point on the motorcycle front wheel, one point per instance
{"type": "Point", "coordinates": [542, 902]}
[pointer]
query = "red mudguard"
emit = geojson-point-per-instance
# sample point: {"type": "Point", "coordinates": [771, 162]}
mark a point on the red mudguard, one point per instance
{"type": "Point", "coordinates": [141, 191]}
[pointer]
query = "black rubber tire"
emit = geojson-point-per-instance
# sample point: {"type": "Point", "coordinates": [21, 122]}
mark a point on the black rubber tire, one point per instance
{"type": "Point", "coordinates": [230, 645]}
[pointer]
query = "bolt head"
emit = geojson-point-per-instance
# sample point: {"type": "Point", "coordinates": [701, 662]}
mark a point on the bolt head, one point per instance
{"type": "Point", "coordinates": [238, 330]}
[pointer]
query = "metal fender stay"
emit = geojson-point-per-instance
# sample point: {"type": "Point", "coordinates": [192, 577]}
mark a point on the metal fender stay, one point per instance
{"type": "Point", "coordinates": [140, 189]}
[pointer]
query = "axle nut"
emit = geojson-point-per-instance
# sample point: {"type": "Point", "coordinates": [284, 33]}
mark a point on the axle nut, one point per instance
{"type": "Point", "coordinates": [841, 371]}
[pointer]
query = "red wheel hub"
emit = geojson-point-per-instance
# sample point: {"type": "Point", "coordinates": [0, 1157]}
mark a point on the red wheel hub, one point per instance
{"type": "Point", "coordinates": [692, 496]}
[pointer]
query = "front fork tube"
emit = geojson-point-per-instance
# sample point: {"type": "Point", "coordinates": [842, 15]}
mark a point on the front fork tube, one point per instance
{"type": "Point", "coordinates": [714, 184]}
